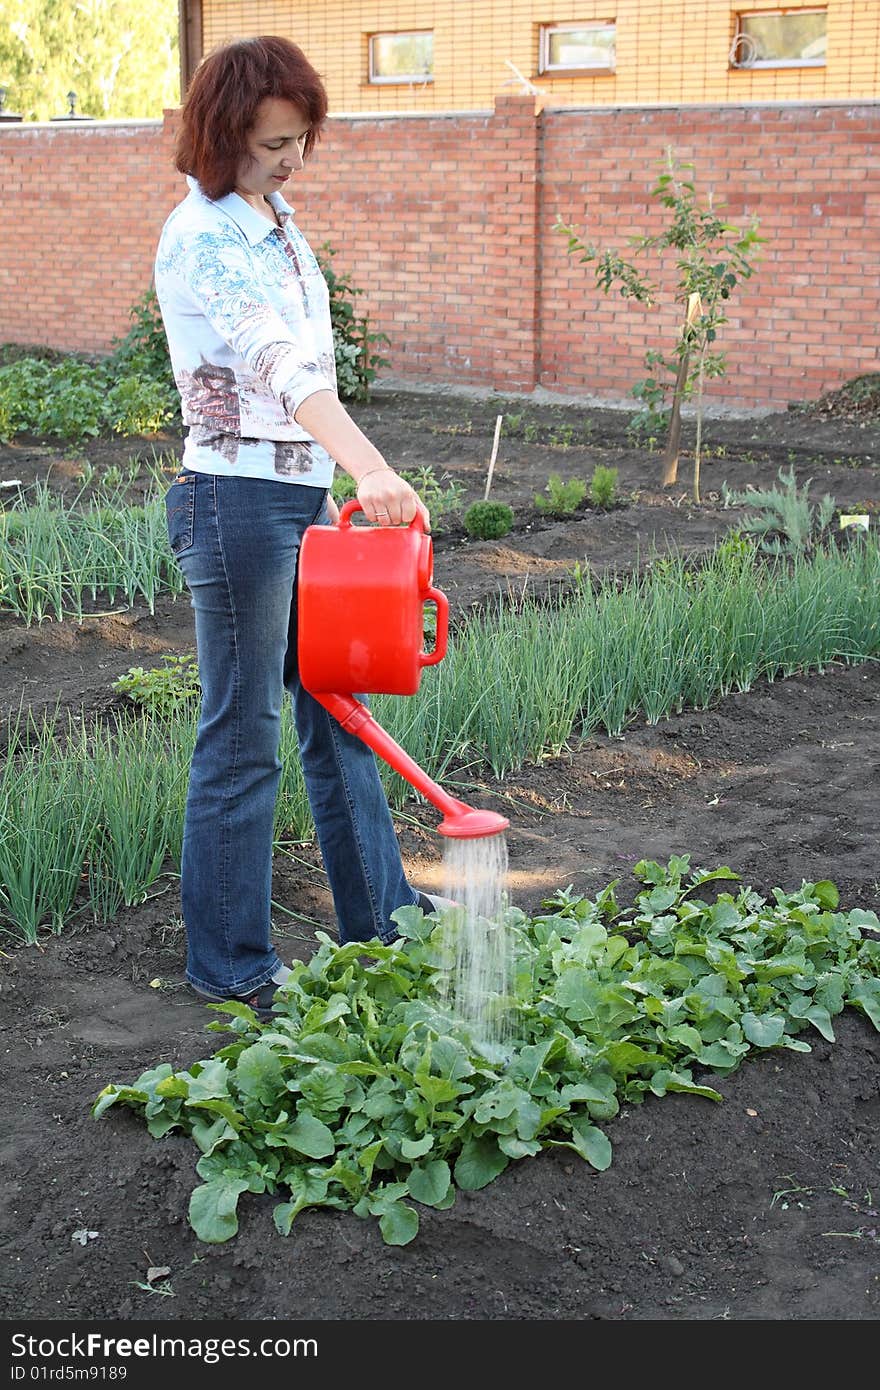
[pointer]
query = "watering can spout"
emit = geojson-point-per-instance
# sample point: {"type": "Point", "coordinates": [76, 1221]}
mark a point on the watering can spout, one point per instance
{"type": "Point", "coordinates": [362, 593]}
{"type": "Point", "coordinates": [460, 821]}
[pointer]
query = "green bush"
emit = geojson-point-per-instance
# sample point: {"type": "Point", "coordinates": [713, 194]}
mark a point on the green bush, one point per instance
{"type": "Point", "coordinates": [486, 521]}
{"type": "Point", "coordinates": [603, 486]}
{"type": "Point", "coordinates": [354, 345]}
{"type": "Point", "coordinates": [144, 349]}
{"type": "Point", "coordinates": [562, 498]}
{"type": "Point", "coordinates": [786, 521]}
{"type": "Point", "coordinates": [75, 398]}
{"type": "Point", "coordinates": [343, 488]}
{"type": "Point", "coordinates": [163, 689]}
{"type": "Point", "coordinates": [138, 405]}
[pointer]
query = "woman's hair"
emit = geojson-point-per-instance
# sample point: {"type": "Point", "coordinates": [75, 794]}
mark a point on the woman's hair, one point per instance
{"type": "Point", "coordinates": [221, 106]}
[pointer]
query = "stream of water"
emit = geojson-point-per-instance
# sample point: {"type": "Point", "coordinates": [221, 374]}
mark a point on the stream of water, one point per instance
{"type": "Point", "coordinates": [481, 980]}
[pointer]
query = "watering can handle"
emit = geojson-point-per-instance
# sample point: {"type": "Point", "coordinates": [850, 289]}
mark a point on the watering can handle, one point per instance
{"type": "Point", "coordinates": [354, 505]}
{"type": "Point", "coordinates": [430, 595]}
{"type": "Point", "coordinates": [436, 596]}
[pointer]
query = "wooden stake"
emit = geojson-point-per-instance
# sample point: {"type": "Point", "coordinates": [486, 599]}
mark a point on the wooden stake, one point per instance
{"type": "Point", "coordinates": [494, 456]}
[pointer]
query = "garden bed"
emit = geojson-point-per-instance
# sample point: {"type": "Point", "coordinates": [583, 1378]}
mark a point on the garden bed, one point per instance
{"type": "Point", "coordinates": [762, 1207]}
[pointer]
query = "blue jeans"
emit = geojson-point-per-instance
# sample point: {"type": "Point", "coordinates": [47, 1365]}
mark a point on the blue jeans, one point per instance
{"type": "Point", "coordinates": [237, 542]}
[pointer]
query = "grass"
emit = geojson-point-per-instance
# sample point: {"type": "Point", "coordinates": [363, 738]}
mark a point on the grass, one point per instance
{"type": "Point", "coordinates": [57, 556]}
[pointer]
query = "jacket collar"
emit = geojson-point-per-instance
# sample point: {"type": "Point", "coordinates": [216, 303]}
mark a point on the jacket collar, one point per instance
{"type": "Point", "coordinates": [255, 227]}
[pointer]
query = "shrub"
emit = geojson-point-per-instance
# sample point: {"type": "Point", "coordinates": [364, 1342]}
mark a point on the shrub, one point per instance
{"type": "Point", "coordinates": [144, 349]}
{"type": "Point", "coordinates": [139, 405]}
{"type": "Point", "coordinates": [132, 391]}
{"type": "Point", "coordinates": [562, 498]}
{"type": "Point", "coordinates": [441, 501]}
{"type": "Point", "coordinates": [163, 689]}
{"type": "Point", "coordinates": [74, 398]}
{"type": "Point", "coordinates": [354, 345]}
{"type": "Point", "coordinates": [486, 521]}
{"type": "Point", "coordinates": [786, 522]}
{"type": "Point", "coordinates": [343, 488]}
{"type": "Point", "coordinates": [603, 485]}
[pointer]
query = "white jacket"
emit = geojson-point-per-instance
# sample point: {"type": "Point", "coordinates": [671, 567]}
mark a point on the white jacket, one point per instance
{"type": "Point", "coordinates": [247, 316]}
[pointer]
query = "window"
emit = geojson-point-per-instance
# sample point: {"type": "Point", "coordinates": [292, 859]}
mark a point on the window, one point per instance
{"type": "Point", "coordinates": [402, 57]}
{"type": "Point", "coordinates": [780, 39]}
{"type": "Point", "coordinates": [571, 47]}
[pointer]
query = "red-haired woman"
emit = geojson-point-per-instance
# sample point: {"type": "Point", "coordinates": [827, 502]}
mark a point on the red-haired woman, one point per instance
{"type": "Point", "coordinates": [246, 312]}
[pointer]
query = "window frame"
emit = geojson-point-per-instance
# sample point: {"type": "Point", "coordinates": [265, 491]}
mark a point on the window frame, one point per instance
{"type": "Point", "coordinates": [761, 64]}
{"type": "Point", "coordinates": [398, 79]}
{"type": "Point", "coordinates": [548, 69]}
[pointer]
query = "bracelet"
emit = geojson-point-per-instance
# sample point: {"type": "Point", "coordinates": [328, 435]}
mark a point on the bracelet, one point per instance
{"type": "Point", "coordinates": [383, 469]}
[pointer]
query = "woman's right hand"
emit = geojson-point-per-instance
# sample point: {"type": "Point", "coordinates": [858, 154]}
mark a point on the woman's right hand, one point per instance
{"type": "Point", "coordinates": [388, 500]}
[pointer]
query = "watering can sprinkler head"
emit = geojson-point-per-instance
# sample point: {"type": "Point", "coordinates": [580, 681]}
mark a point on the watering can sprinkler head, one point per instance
{"type": "Point", "coordinates": [468, 823]}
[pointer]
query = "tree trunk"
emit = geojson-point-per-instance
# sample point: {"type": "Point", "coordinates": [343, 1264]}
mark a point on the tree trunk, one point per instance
{"type": "Point", "coordinates": [673, 439]}
{"type": "Point", "coordinates": [699, 444]}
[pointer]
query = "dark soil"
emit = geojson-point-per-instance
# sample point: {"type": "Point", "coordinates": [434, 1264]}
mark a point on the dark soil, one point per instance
{"type": "Point", "coordinates": [762, 1207]}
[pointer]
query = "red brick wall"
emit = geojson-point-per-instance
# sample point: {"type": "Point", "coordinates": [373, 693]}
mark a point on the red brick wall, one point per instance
{"type": "Point", "coordinates": [810, 316]}
{"type": "Point", "coordinates": [82, 206]}
{"type": "Point", "coordinates": [446, 222]}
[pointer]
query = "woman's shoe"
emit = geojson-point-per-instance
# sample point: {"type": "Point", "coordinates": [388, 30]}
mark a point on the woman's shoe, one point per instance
{"type": "Point", "coordinates": [260, 1000]}
{"type": "Point", "coordinates": [431, 903]}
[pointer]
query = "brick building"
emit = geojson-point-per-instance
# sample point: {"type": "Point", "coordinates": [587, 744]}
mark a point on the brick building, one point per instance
{"type": "Point", "coordinates": [454, 55]}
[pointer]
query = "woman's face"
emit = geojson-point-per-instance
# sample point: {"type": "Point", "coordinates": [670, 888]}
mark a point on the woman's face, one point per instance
{"type": "Point", "coordinates": [274, 148]}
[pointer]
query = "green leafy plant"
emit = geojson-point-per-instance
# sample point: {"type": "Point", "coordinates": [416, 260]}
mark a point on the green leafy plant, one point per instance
{"type": "Point", "coordinates": [144, 348]}
{"type": "Point", "coordinates": [132, 390]}
{"type": "Point", "coordinates": [343, 488]}
{"type": "Point", "coordinates": [603, 486]}
{"type": "Point", "coordinates": [518, 425]}
{"type": "Point", "coordinates": [139, 405]}
{"type": "Point", "coordinates": [562, 437]}
{"type": "Point", "coordinates": [356, 346]}
{"type": "Point", "coordinates": [366, 1093]}
{"type": "Point", "coordinates": [561, 498]}
{"type": "Point", "coordinates": [711, 257]}
{"type": "Point", "coordinates": [442, 496]}
{"type": "Point", "coordinates": [488, 521]}
{"type": "Point", "coordinates": [785, 520]}
{"type": "Point", "coordinates": [73, 398]}
{"type": "Point", "coordinates": [162, 689]}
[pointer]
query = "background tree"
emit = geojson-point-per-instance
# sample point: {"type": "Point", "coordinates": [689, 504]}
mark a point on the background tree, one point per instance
{"type": "Point", "coordinates": [711, 257]}
{"type": "Point", "coordinates": [119, 56]}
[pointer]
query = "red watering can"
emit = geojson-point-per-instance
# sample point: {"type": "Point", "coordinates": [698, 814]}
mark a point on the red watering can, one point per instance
{"type": "Point", "coordinates": [362, 592]}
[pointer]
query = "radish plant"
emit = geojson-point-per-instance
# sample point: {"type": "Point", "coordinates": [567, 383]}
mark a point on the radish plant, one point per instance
{"type": "Point", "coordinates": [365, 1093]}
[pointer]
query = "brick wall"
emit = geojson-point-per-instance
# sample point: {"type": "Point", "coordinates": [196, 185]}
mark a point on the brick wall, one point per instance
{"type": "Point", "coordinates": [669, 51]}
{"type": "Point", "coordinates": [805, 322]}
{"type": "Point", "coordinates": [446, 223]}
{"type": "Point", "coordinates": [82, 207]}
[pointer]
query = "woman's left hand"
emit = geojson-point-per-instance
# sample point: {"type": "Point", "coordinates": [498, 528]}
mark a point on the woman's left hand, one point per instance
{"type": "Point", "coordinates": [332, 511]}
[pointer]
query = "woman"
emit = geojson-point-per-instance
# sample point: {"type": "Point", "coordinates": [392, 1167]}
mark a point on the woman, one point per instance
{"type": "Point", "coordinates": [246, 313]}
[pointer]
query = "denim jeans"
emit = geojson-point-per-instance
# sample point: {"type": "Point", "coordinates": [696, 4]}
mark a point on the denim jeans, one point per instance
{"type": "Point", "coordinates": [237, 542]}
